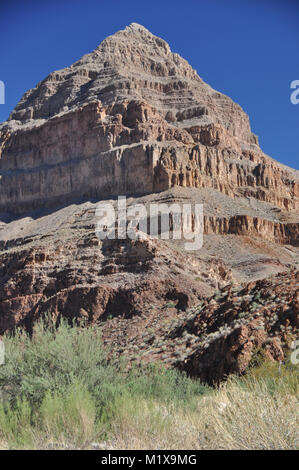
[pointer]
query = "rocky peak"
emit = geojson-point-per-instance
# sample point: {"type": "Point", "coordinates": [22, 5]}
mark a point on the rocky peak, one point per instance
{"type": "Point", "coordinates": [133, 64]}
{"type": "Point", "coordinates": [132, 117]}
{"type": "Point", "coordinates": [139, 34]}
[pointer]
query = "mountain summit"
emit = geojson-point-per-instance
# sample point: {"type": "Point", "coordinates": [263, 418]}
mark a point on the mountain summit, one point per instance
{"type": "Point", "coordinates": [133, 64]}
{"type": "Point", "coordinates": [132, 118]}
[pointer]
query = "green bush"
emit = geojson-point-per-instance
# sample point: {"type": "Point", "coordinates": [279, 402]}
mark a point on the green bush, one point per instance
{"type": "Point", "coordinates": [60, 378]}
{"type": "Point", "coordinates": [51, 361]}
{"type": "Point", "coordinates": [164, 385]}
{"type": "Point", "coordinates": [15, 423]}
{"type": "Point", "coordinates": [276, 377]}
{"type": "Point", "coordinates": [72, 415]}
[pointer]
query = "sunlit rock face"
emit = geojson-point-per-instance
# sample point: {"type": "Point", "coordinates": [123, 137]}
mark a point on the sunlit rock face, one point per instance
{"type": "Point", "coordinates": [132, 118]}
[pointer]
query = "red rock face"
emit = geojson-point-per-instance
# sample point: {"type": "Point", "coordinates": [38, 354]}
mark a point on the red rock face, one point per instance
{"type": "Point", "coordinates": [132, 118]}
{"type": "Point", "coordinates": [97, 151]}
{"type": "Point", "coordinates": [85, 277]}
{"type": "Point", "coordinates": [264, 316]}
{"type": "Point", "coordinates": [218, 337]}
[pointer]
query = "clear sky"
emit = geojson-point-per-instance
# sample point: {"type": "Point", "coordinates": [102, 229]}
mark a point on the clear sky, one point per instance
{"type": "Point", "coordinates": [247, 49]}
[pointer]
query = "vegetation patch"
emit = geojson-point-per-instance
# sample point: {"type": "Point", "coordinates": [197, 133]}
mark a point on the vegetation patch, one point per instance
{"type": "Point", "coordinates": [58, 390]}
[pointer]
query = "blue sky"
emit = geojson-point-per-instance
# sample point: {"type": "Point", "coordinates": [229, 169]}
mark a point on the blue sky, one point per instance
{"type": "Point", "coordinates": [246, 49]}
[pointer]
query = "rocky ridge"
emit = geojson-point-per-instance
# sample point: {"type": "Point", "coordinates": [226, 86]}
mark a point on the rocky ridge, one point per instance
{"type": "Point", "coordinates": [219, 336]}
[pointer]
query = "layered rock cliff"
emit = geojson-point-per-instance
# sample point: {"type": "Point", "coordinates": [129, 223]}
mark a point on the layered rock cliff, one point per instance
{"type": "Point", "coordinates": [132, 118]}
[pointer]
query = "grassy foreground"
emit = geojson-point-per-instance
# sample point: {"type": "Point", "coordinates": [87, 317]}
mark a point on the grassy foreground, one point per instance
{"type": "Point", "coordinates": [59, 391]}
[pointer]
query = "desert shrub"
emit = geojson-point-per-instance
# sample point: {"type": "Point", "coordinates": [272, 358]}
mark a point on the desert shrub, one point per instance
{"type": "Point", "coordinates": [59, 371]}
{"type": "Point", "coordinates": [51, 361]}
{"type": "Point", "coordinates": [71, 416]}
{"type": "Point", "coordinates": [164, 385]}
{"type": "Point", "coordinates": [276, 377]}
{"type": "Point", "coordinates": [16, 422]}
{"type": "Point", "coordinates": [67, 417]}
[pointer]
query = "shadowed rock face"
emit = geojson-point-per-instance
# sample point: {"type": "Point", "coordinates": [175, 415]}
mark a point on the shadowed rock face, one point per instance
{"type": "Point", "coordinates": [132, 118]}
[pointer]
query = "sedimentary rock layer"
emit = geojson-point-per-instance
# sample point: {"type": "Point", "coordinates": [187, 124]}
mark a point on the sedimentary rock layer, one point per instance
{"type": "Point", "coordinates": [131, 118]}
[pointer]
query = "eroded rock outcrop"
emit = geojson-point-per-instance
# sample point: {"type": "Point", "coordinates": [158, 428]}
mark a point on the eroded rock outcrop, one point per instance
{"type": "Point", "coordinates": [75, 275]}
{"type": "Point", "coordinates": [220, 336]}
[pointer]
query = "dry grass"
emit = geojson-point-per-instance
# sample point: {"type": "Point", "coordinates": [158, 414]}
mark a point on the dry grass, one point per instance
{"type": "Point", "coordinates": [232, 417]}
